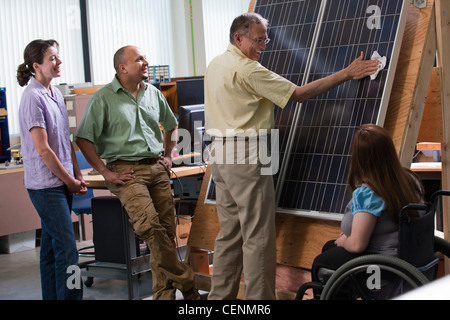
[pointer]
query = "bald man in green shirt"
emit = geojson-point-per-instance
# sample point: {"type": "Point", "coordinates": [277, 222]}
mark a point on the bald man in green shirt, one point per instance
{"type": "Point", "coordinates": [121, 126]}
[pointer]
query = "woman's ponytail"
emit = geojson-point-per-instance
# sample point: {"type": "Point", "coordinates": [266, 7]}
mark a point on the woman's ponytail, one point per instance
{"type": "Point", "coordinates": [24, 74]}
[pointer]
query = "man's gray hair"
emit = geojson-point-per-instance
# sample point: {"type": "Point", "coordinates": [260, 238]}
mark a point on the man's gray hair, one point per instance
{"type": "Point", "coordinates": [242, 24]}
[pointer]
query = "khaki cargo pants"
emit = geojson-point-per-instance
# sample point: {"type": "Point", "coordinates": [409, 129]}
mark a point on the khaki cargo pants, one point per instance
{"type": "Point", "coordinates": [149, 203]}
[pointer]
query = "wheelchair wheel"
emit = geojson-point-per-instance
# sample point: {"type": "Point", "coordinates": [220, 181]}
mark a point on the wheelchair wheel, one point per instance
{"type": "Point", "coordinates": [353, 280]}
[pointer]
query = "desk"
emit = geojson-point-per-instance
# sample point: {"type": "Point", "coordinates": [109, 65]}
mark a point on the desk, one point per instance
{"type": "Point", "coordinates": [427, 170]}
{"type": "Point", "coordinates": [98, 182]}
{"type": "Point", "coordinates": [17, 213]}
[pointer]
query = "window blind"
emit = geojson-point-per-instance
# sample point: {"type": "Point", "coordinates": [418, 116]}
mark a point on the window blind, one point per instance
{"type": "Point", "coordinates": [117, 23]}
{"type": "Point", "coordinates": [26, 20]}
{"type": "Point", "coordinates": [217, 18]}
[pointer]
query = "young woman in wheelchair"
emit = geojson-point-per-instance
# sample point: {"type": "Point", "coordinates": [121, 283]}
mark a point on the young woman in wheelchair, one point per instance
{"type": "Point", "coordinates": [381, 187]}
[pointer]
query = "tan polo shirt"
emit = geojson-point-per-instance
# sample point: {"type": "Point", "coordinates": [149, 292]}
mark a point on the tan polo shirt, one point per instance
{"type": "Point", "coordinates": [240, 94]}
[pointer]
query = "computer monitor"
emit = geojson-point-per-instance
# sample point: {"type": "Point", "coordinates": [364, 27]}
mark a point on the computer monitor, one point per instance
{"type": "Point", "coordinates": [190, 92]}
{"type": "Point", "coordinates": [191, 123]}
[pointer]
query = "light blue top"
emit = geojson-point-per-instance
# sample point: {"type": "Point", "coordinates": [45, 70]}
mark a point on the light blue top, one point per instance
{"type": "Point", "coordinates": [39, 109]}
{"type": "Point", "coordinates": [384, 238]}
{"type": "Point", "coordinates": [365, 200]}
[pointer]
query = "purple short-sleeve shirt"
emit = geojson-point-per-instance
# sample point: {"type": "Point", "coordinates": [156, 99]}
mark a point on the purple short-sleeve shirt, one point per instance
{"type": "Point", "coordinates": [39, 109]}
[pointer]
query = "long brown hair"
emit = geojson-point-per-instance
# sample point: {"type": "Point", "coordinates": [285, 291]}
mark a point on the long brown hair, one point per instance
{"type": "Point", "coordinates": [34, 52]}
{"type": "Point", "coordinates": [375, 163]}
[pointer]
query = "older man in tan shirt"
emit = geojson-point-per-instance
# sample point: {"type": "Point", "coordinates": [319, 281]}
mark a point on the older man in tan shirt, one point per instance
{"type": "Point", "coordinates": [239, 98]}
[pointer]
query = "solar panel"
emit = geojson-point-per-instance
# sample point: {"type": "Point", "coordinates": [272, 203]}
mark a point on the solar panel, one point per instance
{"type": "Point", "coordinates": [310, 40]}
{"type": "Point", "coordinates": [292, 28]}
{"type": "Point", "coordinates": [316, 149]}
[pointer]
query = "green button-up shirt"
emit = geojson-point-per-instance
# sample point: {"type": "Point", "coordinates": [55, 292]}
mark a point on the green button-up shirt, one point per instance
{"type": "Point", "coordinates": [124, 128]}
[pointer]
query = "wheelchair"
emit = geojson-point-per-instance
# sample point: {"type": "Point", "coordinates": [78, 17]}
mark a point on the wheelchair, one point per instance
{"type": "Point", "coordinates": [382, 277]}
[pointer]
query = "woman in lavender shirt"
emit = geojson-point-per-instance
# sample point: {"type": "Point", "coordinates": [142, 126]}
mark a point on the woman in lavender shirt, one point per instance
{"type": "Point", "coordinates": [52, 174]}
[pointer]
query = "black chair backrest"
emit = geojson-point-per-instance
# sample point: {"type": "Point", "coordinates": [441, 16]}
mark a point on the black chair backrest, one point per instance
{"type": "Point", "coordinates": [416, 234]}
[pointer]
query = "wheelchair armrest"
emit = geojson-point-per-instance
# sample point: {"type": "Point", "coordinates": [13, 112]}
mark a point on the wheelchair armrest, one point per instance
{"type": "Point", "coordinates": [442, 246]}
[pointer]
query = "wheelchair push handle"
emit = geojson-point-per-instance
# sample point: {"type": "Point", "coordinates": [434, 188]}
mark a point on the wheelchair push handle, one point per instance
{"type": "Point", "coordinates": [438, 194]}
{"type": "Point", "coordinates": [424, 207]}
{"type": "Point", "coordinates": [412, 207]}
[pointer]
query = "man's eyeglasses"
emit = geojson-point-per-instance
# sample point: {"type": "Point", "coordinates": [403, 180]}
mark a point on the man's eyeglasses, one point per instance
{"type": "Point", "coordinates": [259, 41]}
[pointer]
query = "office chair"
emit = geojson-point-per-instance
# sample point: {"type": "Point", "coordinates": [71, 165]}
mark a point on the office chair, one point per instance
{"type": "Point", "coordinates": [81, 205]}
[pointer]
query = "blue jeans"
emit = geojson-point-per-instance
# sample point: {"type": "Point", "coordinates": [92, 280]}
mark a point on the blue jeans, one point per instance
{"type": "Point", "coordinates": [58, 245]}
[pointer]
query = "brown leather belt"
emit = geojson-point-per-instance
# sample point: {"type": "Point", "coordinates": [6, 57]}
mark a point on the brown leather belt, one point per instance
{"type": "Point", "coordinates": [235, 138]}
{"type": "Point", "coordinates": [142, 161]}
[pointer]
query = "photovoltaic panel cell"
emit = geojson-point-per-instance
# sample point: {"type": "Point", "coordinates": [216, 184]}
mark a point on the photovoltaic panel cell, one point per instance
{"type": "Point", "coordinates": [292, 28]}
{"type": "Point", "coordinates": [310, 40]}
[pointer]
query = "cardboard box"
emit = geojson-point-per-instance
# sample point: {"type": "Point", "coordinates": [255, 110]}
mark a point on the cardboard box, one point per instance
{"type": "Point", "coordinates": [18, 242]}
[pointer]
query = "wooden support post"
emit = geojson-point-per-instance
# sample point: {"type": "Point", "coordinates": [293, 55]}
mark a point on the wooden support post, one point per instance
{"type": "Point", "coordinates": [443, 43]}
{"type": "Point", "coordinates": [251, 7]}
{"type": "Point", "coordinates": [414, 120]}
{"type": "Point", "coordinates": [412, 80]}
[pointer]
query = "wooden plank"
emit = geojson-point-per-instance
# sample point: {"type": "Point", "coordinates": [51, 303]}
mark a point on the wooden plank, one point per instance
{"type": "Point", "coordinates": [412, 80]}
{"type": "Point", "coordinates": [429, 146]}
{"type": "Point", "coordinates": [205, 225]}
{"type": "Point", "coordinates": [300, 240]}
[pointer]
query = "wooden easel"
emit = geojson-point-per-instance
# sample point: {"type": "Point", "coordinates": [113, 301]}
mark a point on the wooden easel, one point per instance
{"type": "Point", "coordinates": [426, 32]}
{"type": "Point", "coordinates": [299, 239]}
